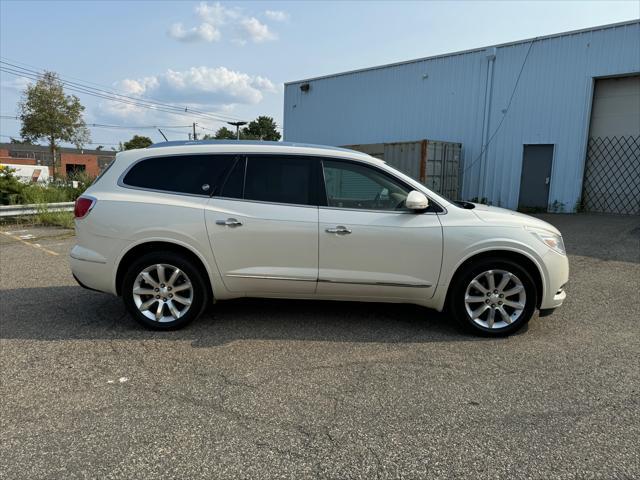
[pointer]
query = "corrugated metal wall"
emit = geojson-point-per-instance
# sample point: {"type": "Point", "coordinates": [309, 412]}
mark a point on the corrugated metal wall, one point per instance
{"type": "Point", "coordinates": [444, 98]}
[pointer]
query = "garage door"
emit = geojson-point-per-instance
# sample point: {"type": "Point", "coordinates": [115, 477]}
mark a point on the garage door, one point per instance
{"type": "Point", "coordinates": [612, 170]}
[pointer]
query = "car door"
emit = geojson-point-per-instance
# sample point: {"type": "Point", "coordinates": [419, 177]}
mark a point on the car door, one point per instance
{"type": "Point", "coordinates": [369, 244]}
{"type": "Point", "coordinates": [263, 225]}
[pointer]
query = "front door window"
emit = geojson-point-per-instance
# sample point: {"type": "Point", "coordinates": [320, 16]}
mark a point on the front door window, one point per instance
{"type": "Point", "coordinates": [349, 185]}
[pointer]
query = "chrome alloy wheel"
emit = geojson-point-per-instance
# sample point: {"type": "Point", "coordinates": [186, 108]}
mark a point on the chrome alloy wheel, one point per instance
{"type": "Point", "coordinates": [162, 293]}
{"type": "Point", "coordinates": [495, 299]}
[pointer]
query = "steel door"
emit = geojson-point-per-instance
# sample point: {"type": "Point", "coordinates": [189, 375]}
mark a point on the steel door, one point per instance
{"type": "Point", "coordinates": [536, 177]}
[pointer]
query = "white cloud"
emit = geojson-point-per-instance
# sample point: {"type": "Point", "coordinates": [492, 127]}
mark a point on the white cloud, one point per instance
{"type": "Point", "coordinates": [277, 15]}
{"type": "Point", "coordinates": [205, 32]}
{"type": "Point", "coordinates": [18, 83]}
{"type": "Point", "coordinates": [201, 88]}
{"type": "Point", "coordinates": [216, 13]}
{"type": "Point", "coordinates": [215, 17]}
{"type": "Point", "coordinates": [258, 32]}
{"type": "Point", "coordinates": [264, 84]}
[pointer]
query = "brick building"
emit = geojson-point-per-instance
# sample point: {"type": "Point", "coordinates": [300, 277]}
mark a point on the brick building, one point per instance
{"type": "Point", "coordinates": [70, 160]}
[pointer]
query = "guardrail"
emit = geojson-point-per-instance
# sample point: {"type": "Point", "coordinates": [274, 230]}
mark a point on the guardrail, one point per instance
{"type": "Point", "coordinates": [32, 209]}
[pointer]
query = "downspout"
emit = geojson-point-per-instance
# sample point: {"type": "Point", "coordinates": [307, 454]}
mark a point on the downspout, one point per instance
{"type": "Point", "coordinates": [486, 121]}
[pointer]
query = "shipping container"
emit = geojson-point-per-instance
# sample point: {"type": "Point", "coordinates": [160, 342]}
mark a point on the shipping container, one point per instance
{"type": "Point", "coordinates": [433, 163]}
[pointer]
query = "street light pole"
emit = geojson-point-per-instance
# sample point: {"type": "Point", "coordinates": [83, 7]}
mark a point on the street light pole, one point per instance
{"type": "Point", "coordinates": [237, 125]}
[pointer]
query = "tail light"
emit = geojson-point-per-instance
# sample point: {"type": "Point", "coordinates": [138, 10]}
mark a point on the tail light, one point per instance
{"type": "Point", "coordinates": [83, 206]}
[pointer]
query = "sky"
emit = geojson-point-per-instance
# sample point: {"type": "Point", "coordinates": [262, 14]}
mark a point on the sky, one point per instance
{"type": "Point", "coordinates": [226, 61]}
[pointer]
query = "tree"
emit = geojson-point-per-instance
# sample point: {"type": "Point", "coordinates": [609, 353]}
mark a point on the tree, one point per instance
{"type": "Point", "coordinates": [48, 114]}
{"type": "Point", "coordinates": [18, 141]}
{"type": "Point", "coordinates": [137, 141]}
{"type": "Point", "coordinates": [223, 133]}
{"type": "Point", "coordinates": [262, 128]}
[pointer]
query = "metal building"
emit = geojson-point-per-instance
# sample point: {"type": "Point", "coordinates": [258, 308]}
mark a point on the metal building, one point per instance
{"type": "Point", "coordinates": [550, 123]}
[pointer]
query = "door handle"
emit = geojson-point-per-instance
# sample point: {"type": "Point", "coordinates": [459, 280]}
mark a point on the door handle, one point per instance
{"type": "Point", "coordinates": [339, 230]}
{"type": "Point", "coordinates": [229, 222]}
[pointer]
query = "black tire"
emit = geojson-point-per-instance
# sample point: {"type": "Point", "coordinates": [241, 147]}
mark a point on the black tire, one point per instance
{"type": "Point", "coordinates": [458, 308]}
{"type": "Point", "coordinates": [199, 294]}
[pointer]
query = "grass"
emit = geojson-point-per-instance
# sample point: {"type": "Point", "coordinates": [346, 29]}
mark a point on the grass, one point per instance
{"type": "Point", "coordinates": [42, 218]}
{"type": "Point", "coordinates": [13, 191]}
{"type": "Point", "coordinates": [55, 219]}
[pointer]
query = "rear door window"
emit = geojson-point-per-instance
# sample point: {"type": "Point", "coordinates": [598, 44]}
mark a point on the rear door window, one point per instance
{"type": "Point", "coordinates": [233, 185]}
{"type": "Point", "coordinates": [188, 174]}
{"type": "Point", "coordinates": [282, 179]}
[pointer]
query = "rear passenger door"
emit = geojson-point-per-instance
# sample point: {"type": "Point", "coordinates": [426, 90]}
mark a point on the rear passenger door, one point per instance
{"type": "Point", "coordinates": [263, 225]}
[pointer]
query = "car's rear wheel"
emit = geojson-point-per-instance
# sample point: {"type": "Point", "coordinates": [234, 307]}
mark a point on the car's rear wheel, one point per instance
{"type": "Point", "coordinates": [164, 290]}
{"type": "Point", "coordinates": [493, 297]}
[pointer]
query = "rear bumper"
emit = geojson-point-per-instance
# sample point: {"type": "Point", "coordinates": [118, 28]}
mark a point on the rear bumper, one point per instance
{"type": "Point", "coordinates": [83, 285]}
{"type": "Point", "coordinates": [91, 270]}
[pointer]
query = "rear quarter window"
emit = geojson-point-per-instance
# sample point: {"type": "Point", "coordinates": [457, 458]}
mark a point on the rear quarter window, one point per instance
{"type": "Point", "coordinates": [189, 174]}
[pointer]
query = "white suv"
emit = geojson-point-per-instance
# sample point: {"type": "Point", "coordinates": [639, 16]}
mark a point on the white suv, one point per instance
{"type": "Point", "coordinates": [173, 227]}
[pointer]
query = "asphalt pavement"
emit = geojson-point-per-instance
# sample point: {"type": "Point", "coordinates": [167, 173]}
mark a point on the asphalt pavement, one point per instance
{"type": "Point", "coordinates": [293, 389]}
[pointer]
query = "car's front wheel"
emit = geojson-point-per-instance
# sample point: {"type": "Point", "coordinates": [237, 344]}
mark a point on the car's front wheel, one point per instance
{"type": "Point", "coordinates": [493, 297]}
{"type": "Point", "coordinates": [164, 290]}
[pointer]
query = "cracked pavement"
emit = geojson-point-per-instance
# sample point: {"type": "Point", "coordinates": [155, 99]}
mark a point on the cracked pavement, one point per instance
{"type": "Point", "coordinates": [293, 389]}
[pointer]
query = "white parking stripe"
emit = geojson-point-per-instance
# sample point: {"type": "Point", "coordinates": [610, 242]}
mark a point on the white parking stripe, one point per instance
{"type": "Point", "coordinates": [34, 245]}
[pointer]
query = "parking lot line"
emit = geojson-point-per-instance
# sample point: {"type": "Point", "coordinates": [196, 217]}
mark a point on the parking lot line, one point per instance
{"type": "Point", "coordinates": [34, 245]}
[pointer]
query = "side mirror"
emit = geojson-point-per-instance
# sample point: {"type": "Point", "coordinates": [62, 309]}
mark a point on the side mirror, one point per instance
{"type": "Point", "coordinates": [416, 200]}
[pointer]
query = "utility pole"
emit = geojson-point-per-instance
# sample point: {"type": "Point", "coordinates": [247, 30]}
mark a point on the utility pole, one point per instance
{"type": "Point", "coordinates": [165, 137]}
{"type": "Point", "coordinates": [195, 136]}
{"type": "Point", "coordinates": [237, 125]}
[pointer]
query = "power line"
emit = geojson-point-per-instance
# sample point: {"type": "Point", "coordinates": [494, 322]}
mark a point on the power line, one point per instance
{"type": "Point", "coordinates": [87, 143]}
{"type": "Point", "coordinates": [107, 97]}
{"type": "Point", "coordinates": [136, 127]}
{"type": "Point", "coordinates": [122, 127]}
{"type": "Point", "coordinates": [114, 97]}
{"type": "Point", "coordinates": [84, 84]}
{"type": "Point", "coordinates": [506, 110]}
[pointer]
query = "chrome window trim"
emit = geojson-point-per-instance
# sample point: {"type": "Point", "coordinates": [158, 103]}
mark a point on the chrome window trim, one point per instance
{"type": "Point", "coordinates": [394, 212]}
{"type": "Point", "coordinates": [264, 202]}
{"type": "Point", "coordinates": [121, 183]}
{"type": "Point", "coordinates": [169, 192]}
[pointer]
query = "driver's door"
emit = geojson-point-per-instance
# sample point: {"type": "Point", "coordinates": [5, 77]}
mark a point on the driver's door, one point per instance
{"type": "Point", "coordinates": [370, 245]}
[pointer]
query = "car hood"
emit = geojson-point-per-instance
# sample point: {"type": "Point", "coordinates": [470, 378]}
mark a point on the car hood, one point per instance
{"type": "Point", "coordinates": [502, 216]}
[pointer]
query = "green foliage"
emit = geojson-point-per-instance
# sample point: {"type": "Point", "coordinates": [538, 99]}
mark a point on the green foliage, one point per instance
{"type": "Point", "coordinates": [9, 183]}
{"type": "Point", "coordinates": [56, 219]}
{"type": "Point", "coordinates": [40, 194]}
{"type": "Point", "coordinates": [223, 133]}
{"type": "Point", "coordinates": [18, 141]}
{"type": "Point", "coordinates": [13, 191]}
{"type": "Point", "coordinates": [137, 141]}
{"type": "Point", "coordinates": [10, 186]}
{"type": "Point", "coordinates": [557, 207]}
{"type": "Point", "coordinates": [262, 128]}
{"type": "Point", "coordinates": [48, 114]}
